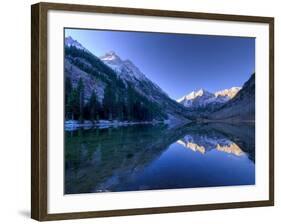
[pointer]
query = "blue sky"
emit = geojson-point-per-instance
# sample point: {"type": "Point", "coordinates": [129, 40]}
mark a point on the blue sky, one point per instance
{"type": "Point", "coordinates": [178, 63]}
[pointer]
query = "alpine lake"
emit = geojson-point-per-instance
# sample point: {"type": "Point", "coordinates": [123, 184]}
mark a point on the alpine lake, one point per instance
{"type": "Point", "coordinates": [154, 157]}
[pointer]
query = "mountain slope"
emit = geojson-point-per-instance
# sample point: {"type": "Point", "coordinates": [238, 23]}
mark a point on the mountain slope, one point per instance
{"type": "Point", "coordinates": [69, 41]}
{"type": "Point", "coordinates": [127, 71]}
{"type": "Point", "coordinates": [130, 73]}
{"type": "Point", "coordinates": [116, 87]}
{"type": "Point", "coordinates": [241, 107]}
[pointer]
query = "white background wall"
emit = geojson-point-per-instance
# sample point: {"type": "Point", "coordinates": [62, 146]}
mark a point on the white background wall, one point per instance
{"type": "Point", "coordinates": [15, 111]}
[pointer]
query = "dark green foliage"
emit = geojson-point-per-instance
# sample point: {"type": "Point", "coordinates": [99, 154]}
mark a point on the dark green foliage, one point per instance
{"type": "Point", "coordinates": [109, 102]}
{"type": "Point", "coordinates": [74, 101]}
{"type": "Point", "coordinates": [81, 95]}
{"type": "Point", "coordinates": [121, 101]}
{"type": "Point", "coordinates": [68, 91]}
{"type": "Point", "coordinates": [93, 108]}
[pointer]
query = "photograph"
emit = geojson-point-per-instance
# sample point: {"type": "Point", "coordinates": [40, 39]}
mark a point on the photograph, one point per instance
{"type": "Point", "coordinates": [157, 111]}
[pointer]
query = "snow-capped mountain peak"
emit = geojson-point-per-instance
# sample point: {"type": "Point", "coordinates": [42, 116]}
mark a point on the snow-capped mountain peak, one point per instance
{"type": "Point", "coordinates": [228, 92]}
{"type": "Point", "coordinates": [203, 98]}
{"type": "Point", "coordinates": [202, 92]}
{"type": "Point", "coordinates": [125, 68]}
{"type": "Point", "coordinates": [111, 56]}
{"type": "Point", "coordinates": [195, 94]}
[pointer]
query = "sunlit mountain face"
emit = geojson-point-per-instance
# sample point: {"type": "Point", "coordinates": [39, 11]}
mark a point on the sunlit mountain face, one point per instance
{"type": "Point", "coordinates": [203, 99]}
{"type": "Point", "coordinates": [203, 144]}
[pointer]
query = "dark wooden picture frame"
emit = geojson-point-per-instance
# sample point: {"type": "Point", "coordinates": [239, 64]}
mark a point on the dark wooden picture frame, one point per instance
{"type": "Point", "coordinates": [39, 121]}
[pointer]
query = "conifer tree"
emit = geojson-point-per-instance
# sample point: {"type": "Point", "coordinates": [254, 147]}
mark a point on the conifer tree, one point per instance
{"type": "Point", "coordinates": [81, 95]}
{"type": "Point", "coordinates": [94, 106]}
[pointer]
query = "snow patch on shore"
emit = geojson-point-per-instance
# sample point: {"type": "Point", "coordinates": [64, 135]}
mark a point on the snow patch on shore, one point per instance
{"type": "Point", "coordinates": [72, 125]}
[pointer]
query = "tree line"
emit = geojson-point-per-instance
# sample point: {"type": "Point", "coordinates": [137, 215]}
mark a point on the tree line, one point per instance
{"type": "Point", "coordinates": [125, 104]}
{"type": "Point", "coordinates": [120, 101]}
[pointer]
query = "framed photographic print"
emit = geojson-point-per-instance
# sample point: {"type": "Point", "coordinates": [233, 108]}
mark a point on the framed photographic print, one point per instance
{"type": "Point", "coordinates": [139, 111]}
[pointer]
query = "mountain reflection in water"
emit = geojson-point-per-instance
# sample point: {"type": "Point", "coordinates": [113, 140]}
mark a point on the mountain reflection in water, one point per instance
{"type": "Point", "coordinates": [148, 157]}
{"type": "Point", "coordinates": [204, 144]}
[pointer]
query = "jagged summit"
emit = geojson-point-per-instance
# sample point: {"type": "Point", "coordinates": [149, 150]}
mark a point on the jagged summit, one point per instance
{"type": "Point", "coordinates": [111, 56]}
{"type": "Point", "coordinates": [202, 98]}
{"type": "Point", "coordinates": [228, 92]}
{"type": "Point", "coordinates": [201, 92]}
{"type": "Point", "coordinates": [124, 68]}
{"type": "Point", "coordinates": [196, 94]}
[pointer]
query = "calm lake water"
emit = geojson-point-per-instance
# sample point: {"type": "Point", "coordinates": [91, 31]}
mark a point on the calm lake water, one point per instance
{"type": "Point", "coordinates": [146, 157]}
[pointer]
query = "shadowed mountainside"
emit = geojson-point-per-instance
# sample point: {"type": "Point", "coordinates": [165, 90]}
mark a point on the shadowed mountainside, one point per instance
{"type": "Point", "coordinates": [241, 107]}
